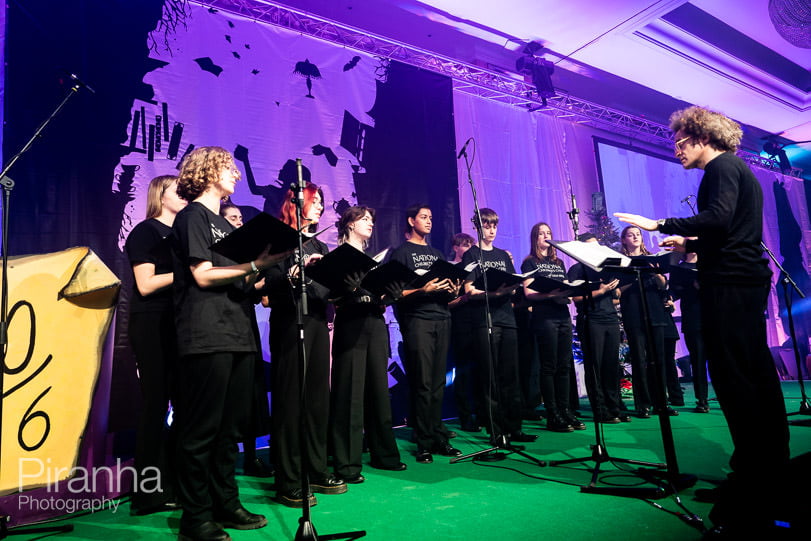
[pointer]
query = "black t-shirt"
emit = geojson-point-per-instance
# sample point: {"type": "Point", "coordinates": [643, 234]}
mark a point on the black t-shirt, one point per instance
{"type": "Point", "coordinates": [631, 304]}
{"type": "Point", "coordinates": [283, 294]}
{"type": "Point", "coordinates": [501, 310]}
{"type": "Point", "coordinates": [433, 306]}
{"type": "Point", "coordinates": [145, 244]}
{"type": "Point", "coordinates": [602, 309]}
{"type": "Point", "coordinates": [214, 319]}
{"type": "Point", "coordinates": [546, 309]}
{"type": "Point", "coordinates": [729, 224]}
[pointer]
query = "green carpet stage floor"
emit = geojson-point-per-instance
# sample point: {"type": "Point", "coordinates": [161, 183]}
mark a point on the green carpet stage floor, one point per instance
{"type": "Point", "coordinates": [511, 499]}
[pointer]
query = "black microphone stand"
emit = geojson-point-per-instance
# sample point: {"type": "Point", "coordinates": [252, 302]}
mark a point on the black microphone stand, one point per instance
{"type": "Point", "coordinates": [8, 185]}
{"type": "Point", "coordinates": [786, 281]}
{"type": "Point", "coordinates": [500, 442]}
{"type": "Point", "coordinates": [306, 529]}
{"type": "Point", "coordinates": [573, 216]}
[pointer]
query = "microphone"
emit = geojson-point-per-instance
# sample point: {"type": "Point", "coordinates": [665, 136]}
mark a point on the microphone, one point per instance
{"type": "Point", "coordinates": [73, 77]}
{"type": "Point", "coordinates": [686, 199]}
{"type": "Point", "coordinates": [464, 149]}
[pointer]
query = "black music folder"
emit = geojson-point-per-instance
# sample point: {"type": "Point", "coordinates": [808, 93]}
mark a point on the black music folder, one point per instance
{"type": "Point", "coordinates": [664, 260]}
{"type": "Point", "coordinates": [380, 277]}
{"type": "Point", "coordinates": [331, 270]}
{"type": "Point", "coordinates": [440, 269]}
{"type": "Point", "coordinates": [497, 278]}
{"type": "Point", "coordinates": [542, 284]}
{"type": "Point", "coordinates": [247, 242]}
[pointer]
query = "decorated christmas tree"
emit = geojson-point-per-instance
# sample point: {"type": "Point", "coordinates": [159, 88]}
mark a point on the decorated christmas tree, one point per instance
{"type": "Point", "coordinates": [603, 228]}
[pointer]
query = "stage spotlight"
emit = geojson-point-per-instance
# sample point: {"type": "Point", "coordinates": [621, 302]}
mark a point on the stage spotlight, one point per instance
{"type": "Point", "coordinates": [775, 150]}
{"type": "Point", "coordinates": [538, 68]}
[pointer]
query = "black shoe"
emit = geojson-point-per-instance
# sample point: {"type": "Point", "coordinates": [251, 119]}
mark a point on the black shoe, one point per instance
{"type": "Point", "coordinates": [522, 437]}
{"type": "Point", "coordinates": [556, 423]}
{"type": "Point", "coordinates": [445, 449]}
{"type": "Point", "coordinates": [353, 479]}
{"type": "Point", "coordinates": [241, 519]}
{"type": "Point", "coordinates": [669, 411]}
{"type": "Point", "coordinates": [171, 505]}
{"type": "Point", "coordinates": [702, 407]}
{"type": "Point", "coordinates": [471, 427]}
{"type": "Point", "coordinates": [424, 457]}
{"type": "Point", "coordinates": [328, 485]}
{"type": "Point", "coordinates": [607, 419]}
{"type": "Point", "coordinates": [644, 413]}
{"type": "Point", "coordinates": [576, 423]}
{"type": "Point", "coordinates": [257, 468]}
{"type": "Point", "coordinates": [400, 466]}
{"type": "Point", "coordinates": [207, 531]}
{"type": "Point", "coordinates": [624, 417]}
{"type": "Point", "coordinates": [679, 403]}
{"type": "Point", "coordinates": [292, 498]}
{"type": "Point", "coordinates": [450, 434]}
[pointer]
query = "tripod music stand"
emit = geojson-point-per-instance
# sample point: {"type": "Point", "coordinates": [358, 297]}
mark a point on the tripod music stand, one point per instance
{"type": "Point", "coordinates": [599, 454]}
{"type": "Point", "coordinates": [786, 281]}
{"type": "Point", "coordinates": [672, 477]}
{"type": "Point", "coordinates": [306, 529]}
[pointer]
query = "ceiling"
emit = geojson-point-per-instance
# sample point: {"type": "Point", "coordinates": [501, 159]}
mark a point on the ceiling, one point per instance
{"type": "Point", "coordinates": [644, 57]}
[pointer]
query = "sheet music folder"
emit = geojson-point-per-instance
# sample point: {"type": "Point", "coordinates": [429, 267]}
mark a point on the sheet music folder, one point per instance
{"type": "Point", "coordinates": [345, 260]}
{"type": "Point", "coordinates": [543, 284]}
{"type": "Point", "coordinates": [380, 277]}
{"type": "Point", "coordinates": [497, 278]}
{"type": "Point", "coordinates": [247, 242]}
{"type": "Point", "coordinates": [439, 269]}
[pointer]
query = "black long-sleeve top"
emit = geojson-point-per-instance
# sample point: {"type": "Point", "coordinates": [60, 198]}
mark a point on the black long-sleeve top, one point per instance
{"type": "Point", "coordinates": [729, 224]}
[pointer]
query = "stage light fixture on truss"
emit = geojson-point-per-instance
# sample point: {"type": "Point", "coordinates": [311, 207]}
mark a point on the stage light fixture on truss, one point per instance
{"type": "Point", "coordinates": [775, 150]}
{"type": "Point", "coordinates": [539, 69]}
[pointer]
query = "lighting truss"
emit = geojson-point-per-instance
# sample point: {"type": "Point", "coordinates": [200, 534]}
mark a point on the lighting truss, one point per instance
{"type": "Point", "coordinates": [506, 88]}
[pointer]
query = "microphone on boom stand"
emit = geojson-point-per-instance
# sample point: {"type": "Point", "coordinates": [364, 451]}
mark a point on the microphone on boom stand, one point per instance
{"type": "Point", "coordinates": [573, 216]}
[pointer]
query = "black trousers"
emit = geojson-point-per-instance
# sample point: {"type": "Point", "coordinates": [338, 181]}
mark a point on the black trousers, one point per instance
{"type": "Point", "coordinates": [213, 403]}
{"type": "Point", "coordinates": [425, 343]}
{"type": "Point", "coordinates": [744, 376]}
{"type": "Point", "coordinates": [291, 456]}
{"type": "Point", "coordinates": [360, 391]}
{"type": "Point", "coordinates": [553, 338]}
{"type": "Point", "coordinates": [153, 341]}
{"type": "Point", "coordinates": [600, 345]}
{"type": "Point", "coordinates": [698, 364]}
{"type": "Point", "coordinates": [642, 356]}
{"type": "Point", "coordinates": [466, 383]}
{"type": "Point", "coordinates": [501, 406]}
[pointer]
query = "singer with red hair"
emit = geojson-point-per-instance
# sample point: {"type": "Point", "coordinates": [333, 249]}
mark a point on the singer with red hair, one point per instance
{"type": "Point", "coordinates": [296, 454]}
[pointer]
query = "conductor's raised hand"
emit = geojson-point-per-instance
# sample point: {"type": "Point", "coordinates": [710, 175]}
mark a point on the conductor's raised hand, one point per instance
{"type": "Point", "coordinates": [639, 221]}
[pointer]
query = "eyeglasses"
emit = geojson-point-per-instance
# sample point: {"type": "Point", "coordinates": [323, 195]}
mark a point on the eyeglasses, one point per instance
{"type": "Point", "coordinates": [679, 145]}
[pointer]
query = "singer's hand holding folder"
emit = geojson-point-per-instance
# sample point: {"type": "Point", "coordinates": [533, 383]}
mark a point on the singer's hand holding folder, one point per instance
{"type": "Point", "coordinates": [246, 243]}
{"type": "Point", "coordinates": [440, 269]}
